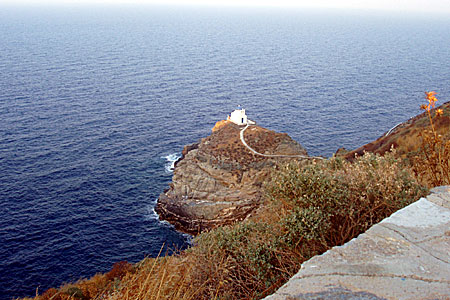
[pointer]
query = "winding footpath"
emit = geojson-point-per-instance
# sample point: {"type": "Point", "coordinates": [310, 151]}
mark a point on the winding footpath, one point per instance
{"type": "Point", "coordinates": [272, 155]}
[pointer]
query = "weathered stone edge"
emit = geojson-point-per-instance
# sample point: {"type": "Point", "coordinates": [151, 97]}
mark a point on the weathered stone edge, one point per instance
{"type": "Point", "coordinates": [406, 256]}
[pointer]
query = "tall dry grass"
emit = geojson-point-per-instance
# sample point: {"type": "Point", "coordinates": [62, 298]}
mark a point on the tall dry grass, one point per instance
{"type": "Point", "coordinates": [310, 207]}
{"type": "Point", "coordinates": [432, 162]}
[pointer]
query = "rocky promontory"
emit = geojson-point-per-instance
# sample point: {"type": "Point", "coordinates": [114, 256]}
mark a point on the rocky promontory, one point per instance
{"type": "Point", "coordinates": [218, 180]}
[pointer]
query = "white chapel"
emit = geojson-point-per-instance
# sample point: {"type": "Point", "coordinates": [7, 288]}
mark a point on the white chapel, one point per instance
{"type": "Point", "coordinates": [239, 117]}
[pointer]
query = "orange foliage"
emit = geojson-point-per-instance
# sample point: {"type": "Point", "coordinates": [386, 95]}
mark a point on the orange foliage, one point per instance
{"type": "Point", "coordinates": [119, 270]}
{"type": "Point", "coordinates": [431, 97]}
{"type": "Point", "coordinates": [93, 286]}
{"type": "Point", "coordinates": [220, 124]}
{"type": "Point", "coordinates": [51, 294]}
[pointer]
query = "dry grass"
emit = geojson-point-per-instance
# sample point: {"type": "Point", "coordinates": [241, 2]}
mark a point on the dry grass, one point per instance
{"type": "Point", "coordinates": [406, 138]}
{"type": "Point", "coordinates": [431, 163]}
{"type": "Point", "coordinates": [422, 142]}
{"type": "Point", "coordinates": [310, 208]}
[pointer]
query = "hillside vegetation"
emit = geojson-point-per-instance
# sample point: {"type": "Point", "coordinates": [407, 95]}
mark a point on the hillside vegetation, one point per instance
{"type": "Point", "coordinates": [310, 206]}
{"type": "Point", "coordinates": [422, 142]}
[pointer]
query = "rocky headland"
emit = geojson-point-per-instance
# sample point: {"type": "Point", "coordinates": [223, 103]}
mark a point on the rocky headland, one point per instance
{"type": "Point", "coordinates": [218, 180]}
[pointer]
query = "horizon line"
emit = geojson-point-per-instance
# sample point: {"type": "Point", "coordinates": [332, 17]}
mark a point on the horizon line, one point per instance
{"type": "Point", "coordinates": [324, 4]}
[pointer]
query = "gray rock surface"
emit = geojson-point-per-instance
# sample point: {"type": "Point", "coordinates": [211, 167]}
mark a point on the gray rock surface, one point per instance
{"type": "Point", "coordinates": [406, 256]}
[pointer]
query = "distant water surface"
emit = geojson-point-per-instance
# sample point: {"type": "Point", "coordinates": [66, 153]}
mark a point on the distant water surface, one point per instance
{"type": "Point", "coordinates": [96, 103]}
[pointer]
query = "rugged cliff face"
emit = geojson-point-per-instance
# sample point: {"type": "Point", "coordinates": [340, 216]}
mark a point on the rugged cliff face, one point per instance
{"type": "Point", "coordinates": [218, 180]}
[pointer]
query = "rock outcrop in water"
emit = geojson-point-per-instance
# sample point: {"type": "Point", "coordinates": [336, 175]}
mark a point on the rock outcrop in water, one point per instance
{"type": "Point", "coordinates": [218, 180]}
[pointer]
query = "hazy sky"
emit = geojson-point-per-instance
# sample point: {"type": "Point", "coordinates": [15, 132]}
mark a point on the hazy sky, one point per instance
{"type": "Point", "coordinates": [438, 6]}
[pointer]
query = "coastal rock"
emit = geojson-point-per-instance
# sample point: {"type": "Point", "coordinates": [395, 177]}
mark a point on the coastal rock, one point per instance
{"type": "Point", "coordinates": [218, 180]}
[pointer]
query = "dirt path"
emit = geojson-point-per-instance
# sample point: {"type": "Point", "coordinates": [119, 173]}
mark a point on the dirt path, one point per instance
{"type": "Point", "coordinates": [271, 155]}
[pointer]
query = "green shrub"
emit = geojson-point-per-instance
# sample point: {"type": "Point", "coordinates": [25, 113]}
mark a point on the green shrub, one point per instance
{"type": "Point", "coordinates": [247, 251]}
{"type": "Point", "coordinates": [303, 225]}
{"type": "Point", "coordinates": [338, 199]}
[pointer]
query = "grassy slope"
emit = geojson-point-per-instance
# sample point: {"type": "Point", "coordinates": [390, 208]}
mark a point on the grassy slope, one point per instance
{"type": "Point", "coordinates": [406, 137]}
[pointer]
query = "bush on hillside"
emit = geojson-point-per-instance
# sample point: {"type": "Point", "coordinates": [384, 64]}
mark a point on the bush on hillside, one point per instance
{"type": "Point", "coordinates": [310, 207]}
{"type": "Point", "coordinates": [345, 198]}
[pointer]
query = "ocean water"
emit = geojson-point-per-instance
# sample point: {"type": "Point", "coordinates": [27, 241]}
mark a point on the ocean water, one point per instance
{"type": "Point", "coordinates": [97, 102]}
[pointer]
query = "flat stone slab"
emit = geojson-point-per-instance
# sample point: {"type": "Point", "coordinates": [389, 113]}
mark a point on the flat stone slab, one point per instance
{"type": "Point", "coordinates": [406, 256]}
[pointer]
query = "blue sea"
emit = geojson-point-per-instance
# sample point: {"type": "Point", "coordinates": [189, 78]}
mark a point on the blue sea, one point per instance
{"type": "Point", "coordinates": [96, 103]}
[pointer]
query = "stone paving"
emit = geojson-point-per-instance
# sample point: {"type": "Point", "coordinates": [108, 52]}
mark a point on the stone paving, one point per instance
{"type": "Point", "coordinates": [406, 256]}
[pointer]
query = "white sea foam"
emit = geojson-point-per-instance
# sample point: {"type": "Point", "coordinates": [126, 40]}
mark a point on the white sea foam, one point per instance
{"type": "Point", "coordinates": [171, 159]}
{"type": "Point", "coordinates": [151, 213]}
